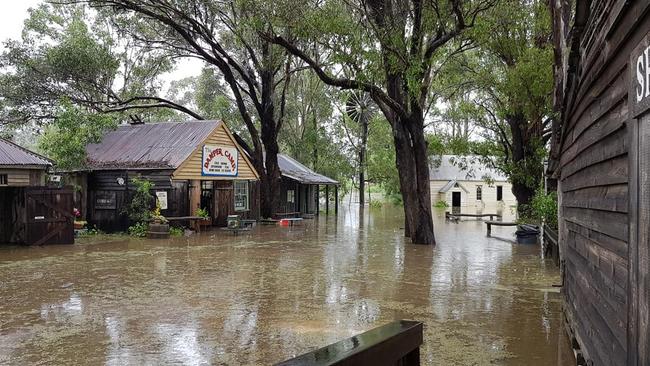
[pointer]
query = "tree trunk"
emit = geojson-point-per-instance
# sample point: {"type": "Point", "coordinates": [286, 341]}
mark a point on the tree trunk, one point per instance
{"type": "Point", "coordinates": [523, 155]}
{"type": "Point", "coordinates": [362, 161]}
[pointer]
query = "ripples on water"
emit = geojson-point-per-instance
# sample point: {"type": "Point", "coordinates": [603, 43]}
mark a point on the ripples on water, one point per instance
{"type": "Point", "coordinates": [279, 292]}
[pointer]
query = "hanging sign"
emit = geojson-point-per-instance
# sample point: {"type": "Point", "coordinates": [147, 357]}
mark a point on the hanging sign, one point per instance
{"type": "Point", "coordinates": [639, 93]}
{"type": "Point", "coordinates": [219, 161]}
{"type": "Point", "coordinates": [161, 196]}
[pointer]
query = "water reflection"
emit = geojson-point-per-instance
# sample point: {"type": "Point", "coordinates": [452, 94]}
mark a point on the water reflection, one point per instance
{"type": "Point", "coordinates": [278, 292]}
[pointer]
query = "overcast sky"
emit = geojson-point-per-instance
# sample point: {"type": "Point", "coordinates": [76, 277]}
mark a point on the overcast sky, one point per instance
{"type": "Point", "coordinates": [14, 12]}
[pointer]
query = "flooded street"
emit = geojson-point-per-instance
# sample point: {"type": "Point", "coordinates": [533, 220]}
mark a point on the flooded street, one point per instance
{"type": "Point", "coordinates": [277, 292]}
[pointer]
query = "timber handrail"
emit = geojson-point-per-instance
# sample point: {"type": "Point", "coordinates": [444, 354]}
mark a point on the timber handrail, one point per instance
{"type": "Point", "coordinates": [448, 214]}
{"type": "Point", "coordinates": [497, 223]}
{"type": "Point", "coordinates": [396, 343]}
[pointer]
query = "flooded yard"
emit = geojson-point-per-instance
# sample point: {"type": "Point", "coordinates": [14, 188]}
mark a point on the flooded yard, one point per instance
{"type": "Point", "coordinates": [276, 292]}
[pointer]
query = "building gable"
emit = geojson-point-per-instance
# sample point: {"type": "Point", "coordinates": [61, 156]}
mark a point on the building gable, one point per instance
{"type": "Point", "coordinates": [220, 137]}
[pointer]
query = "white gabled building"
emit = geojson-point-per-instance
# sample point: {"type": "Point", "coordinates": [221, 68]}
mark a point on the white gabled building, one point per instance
{"type": "Point", "coordinates": [462, 181]}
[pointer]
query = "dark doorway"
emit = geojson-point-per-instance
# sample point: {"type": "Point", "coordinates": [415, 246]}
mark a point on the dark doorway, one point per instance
{"type": "Point", "coordinates": [455, 199]}
{"type": "Point", "coordinates": [499, 193]}
{"type": "Point", "coordinates": [207, 193]}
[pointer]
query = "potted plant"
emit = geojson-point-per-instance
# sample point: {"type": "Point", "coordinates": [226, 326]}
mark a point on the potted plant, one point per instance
{"type": "Point", "coordinates": [78, 224]}
{"type": "Point", "coordinates": [202, 212]}
{"type": "Point", "coordinates": [158, 225]}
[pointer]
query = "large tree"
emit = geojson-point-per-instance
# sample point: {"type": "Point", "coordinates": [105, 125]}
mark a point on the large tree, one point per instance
{"type": "Point", "coordinates": [505, 87]}
{"type": "Point", "coordinates": [395, 48]}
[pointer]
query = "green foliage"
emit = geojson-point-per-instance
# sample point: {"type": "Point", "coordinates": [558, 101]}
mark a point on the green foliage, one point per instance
{"type": "Point", "coordinates": [139, 209]}
{"type": "Point", "coordinates": [441, 204]}
{"type": "Point", "coordinates": [201, 212]}
{"type": "Point", "coordinates": [376, 204]}
{"type": "Point", "coordinates": [542, 209]}
{"type": "Point", "coordinates": [65, 140]}
{"type": "Point", "coordinates": [176, 231]}
{"type": "Point", "coordinates": [139, 229]}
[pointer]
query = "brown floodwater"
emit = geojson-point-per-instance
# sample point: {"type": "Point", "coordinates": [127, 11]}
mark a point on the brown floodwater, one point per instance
{"type": "Point", "coordinates": [277, 292]}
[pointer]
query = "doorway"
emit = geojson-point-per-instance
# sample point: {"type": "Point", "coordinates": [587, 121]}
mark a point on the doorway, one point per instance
{"type": "Point", "coordinates": [455, 199]}
{"type": "Point", "coordinates": [499, 193]}
{"type": "Point", "coordinates": [223, 201]}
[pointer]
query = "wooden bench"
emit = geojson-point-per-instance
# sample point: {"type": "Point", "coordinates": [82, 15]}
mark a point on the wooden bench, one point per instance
{"type": "Point", "coordinates": [247, 223]}
{"type": "Point", "coordinates": [396, 343]}
{"type": "Point", "coordinates": [282, 215]}
{"type": "Point", "coordinates": [459, 215]}
{"type": "Point", "coordinates": [497, 223]}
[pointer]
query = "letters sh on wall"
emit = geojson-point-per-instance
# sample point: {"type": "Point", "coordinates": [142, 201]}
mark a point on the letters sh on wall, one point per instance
{"type": "Point", "coordinates": [640, 60]}
{"type": "Point", "coordinates": [219, 161]}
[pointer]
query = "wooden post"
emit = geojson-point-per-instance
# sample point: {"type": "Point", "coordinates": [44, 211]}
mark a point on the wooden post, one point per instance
{"type": "Point", "coordinates": [327, 200]}
{"type": "Point", "coordinates": [317, 200]}
{"type": "Point", "coordinates": [489, 229]}
{"type": "Point", "coordinates": [336, 200]}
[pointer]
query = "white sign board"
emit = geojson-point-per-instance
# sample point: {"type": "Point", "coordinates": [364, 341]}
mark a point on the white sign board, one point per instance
{"type": "Point", "coordinates": [162, 199]}
{"type": "Point", "coordinates": [220, 161]}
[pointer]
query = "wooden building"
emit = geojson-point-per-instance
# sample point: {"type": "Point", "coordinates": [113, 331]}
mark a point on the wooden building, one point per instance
{"type": "Point", "coordinates": [301, 187]}
{"type": "Point", "coordinates": [31, 213]}
{"type": "Point", "coordinates": [601, 159]}
{"type": "Point", "coordinates": [465, 182]}
{"type": "Point", "coordinates": [195, 164]}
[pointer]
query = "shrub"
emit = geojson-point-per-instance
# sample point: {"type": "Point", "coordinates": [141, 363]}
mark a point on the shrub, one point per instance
{"type": "Point", "coordinates": [138, 210]}
{"type": "Point", "coordinates": [441, 204]}
{"type": "Point", "coordinates": [176, 231]}
{"type": "Point", "coordinates": [202, 212]}
{"type": "Point", "coordinates": [542, 209]}
{"type": "Point", "coordinates": [139, 229]}
{"type": "Point", "coordinates": [376, 204]}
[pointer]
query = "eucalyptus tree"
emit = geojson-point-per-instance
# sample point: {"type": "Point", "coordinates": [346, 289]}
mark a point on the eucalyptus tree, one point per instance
{"type": "Point", "coordinates": [70, 53]}
{"type": "Point", "coordinates": [395, 48]}
{"type": "Point", "coordinates": [225, 35]}
{"type": "Point", "coordinates": [509, 81]}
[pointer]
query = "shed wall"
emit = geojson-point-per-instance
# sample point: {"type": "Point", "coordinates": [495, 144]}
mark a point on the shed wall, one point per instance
{"type": "Point", "coordinates": [594, 179]}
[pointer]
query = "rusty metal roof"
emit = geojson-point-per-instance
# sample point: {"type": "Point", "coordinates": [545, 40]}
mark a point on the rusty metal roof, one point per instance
{"type": "Point", "coordinates": [15, 155]}
{"type": "Point", "coordinates": [148, 146]}
{"type": "Point", "coordinates": [291, 168]}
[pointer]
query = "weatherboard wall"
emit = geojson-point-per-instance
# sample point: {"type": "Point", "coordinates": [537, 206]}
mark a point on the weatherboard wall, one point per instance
{"type": "Point", "coordinates": [190, 169]}
{"type": "Point", "coordinates": [596, 167]}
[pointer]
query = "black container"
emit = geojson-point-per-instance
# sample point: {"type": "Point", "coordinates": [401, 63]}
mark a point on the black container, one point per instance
{"type": "Point", "coordinates": [527, 234]}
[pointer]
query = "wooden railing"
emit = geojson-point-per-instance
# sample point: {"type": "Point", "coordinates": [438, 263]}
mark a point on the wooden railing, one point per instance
{"type": "Point", "coordinates": [551, 248]}
{"type": "Point", "coordinates": [396, 343]}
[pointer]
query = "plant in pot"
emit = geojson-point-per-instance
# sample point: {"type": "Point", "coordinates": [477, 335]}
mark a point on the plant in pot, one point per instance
{"type": "Point", "coordinates": [158, 225]}
{"type": "Point", "coordinates": [78, 223]}
{"type": "Point", "coordinates": [203, 212]}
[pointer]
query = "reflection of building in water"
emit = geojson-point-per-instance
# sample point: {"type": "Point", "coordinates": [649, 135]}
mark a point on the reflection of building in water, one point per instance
{"type": "Point", "coordinates": [462, 181]}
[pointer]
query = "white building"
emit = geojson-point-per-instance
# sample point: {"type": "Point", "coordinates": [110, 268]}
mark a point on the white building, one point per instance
{"type": "Point", "coordinates": [462, 181]}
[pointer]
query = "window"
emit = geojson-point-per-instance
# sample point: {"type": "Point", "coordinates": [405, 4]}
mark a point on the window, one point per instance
{"type": "Point", "coordinates": [499, 193]}
{"type": "Point", "coordinates": [4, 179]}
{"type": "Point", "coordinates": [291, 196]}
{"type": "Point", "coordinates": [241, 195]}
{"type": "Point", "coordinates": [479, 193]}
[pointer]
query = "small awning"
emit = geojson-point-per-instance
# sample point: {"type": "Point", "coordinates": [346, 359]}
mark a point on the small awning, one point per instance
{"type": "Point", "coordinates": [451, 184]}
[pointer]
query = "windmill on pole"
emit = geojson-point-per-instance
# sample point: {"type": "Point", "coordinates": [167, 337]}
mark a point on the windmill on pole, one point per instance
{"type": "Point", "coordinates": [360, 108]}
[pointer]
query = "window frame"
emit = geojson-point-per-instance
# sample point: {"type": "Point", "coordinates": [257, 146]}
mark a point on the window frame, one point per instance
{"type": "Point", "coordinates": [4, 179]}
{"type": "Point", "coordinates": [479, 192]}
{"type": "Point", "coordinates": [237, 194]}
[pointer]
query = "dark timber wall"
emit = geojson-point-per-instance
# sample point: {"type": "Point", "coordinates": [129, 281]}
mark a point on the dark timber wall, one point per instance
{"type": "Point", "coordinates": [594, 160]}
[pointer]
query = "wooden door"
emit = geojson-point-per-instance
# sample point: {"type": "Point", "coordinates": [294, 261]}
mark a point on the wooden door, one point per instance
{"type": "Point", "coordinates": [455, 199]}
{"type": "Point", "coordinates": [49, 218]}
{"type": "Point", "coordinates": [224, 201]}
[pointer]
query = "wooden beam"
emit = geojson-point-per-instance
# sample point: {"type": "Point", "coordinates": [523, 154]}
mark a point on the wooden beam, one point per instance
{"type": "Point", "coordinates": [327, 200]}
{"type": "Point", "coordinates": [336, 200]}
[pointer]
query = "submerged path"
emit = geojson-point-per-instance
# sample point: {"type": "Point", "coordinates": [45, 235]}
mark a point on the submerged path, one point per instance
{"type": "Point", "coordinates": [277, 292]}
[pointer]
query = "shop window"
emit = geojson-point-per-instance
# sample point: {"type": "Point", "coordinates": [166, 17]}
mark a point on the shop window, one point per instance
{"type": "Point", "coordinates": [479, 193]}
{"type": "Point", "coordinates": [291, 196]}
{"type": "Point", "coordinates": [241, 195]}
{"type": "Point", "coordinates": [4, 179]}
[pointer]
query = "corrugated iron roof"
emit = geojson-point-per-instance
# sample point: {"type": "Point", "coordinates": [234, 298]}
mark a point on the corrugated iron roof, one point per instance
{"type": "Point", "coordinates": [467, 168]}
{"type": "Point", "coordinates": [291, 168]}
{"type": "Point", "coordinates": [15, 155]}
{"type": "Point", "coordinates": [146, 146]}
